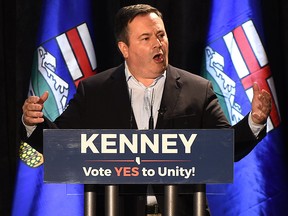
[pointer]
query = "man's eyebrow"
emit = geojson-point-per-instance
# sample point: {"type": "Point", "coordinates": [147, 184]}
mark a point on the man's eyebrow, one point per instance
{"type": "Point", "coordinates": [144, 34]}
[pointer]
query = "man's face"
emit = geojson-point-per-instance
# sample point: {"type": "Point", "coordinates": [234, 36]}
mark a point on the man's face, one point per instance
{"type": "Point", "coordinates": [147, 53]}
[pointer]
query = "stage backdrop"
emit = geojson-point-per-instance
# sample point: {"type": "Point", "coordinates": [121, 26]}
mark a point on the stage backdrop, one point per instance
{"type": "Point", "coordinates": [187, 26]}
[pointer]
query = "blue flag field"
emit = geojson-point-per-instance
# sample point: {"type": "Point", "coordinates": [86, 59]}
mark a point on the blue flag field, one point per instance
{"type": "Point", "coordinates": [64, 55]}
{"type": "Point", "coordinates": [235, 58]}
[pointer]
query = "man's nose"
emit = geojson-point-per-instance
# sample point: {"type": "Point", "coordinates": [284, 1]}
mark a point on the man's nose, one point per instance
{"type": "Point", "coordinates": [157, 42]}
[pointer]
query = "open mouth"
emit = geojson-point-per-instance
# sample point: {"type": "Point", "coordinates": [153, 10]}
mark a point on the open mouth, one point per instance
{"type": "Point", "coordinates": [158, 57]}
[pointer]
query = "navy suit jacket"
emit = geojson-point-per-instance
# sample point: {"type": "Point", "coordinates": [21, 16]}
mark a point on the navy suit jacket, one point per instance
{"type": "Point", "coordinates": [188, 102]}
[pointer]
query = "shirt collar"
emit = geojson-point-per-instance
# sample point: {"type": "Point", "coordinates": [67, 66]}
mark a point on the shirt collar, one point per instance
{"type": "Point", "coordinates": [129, 75]}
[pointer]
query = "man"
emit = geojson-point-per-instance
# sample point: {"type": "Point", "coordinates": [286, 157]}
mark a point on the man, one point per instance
{"type": "Point", "coordinates": [146, 92]}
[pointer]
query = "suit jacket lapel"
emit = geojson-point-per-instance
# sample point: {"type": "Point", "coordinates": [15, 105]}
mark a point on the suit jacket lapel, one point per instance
{"type": "Point", "coordinates": [121, 99]}
{"type": "Point", "coordinates": [172, 89]}
{"type": "Point", "coordinates": [170, 96]}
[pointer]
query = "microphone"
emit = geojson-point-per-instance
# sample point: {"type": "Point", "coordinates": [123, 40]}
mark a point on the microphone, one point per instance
{"type": "Point", "coordinates": [162, 111]}
{"type": "Point", "coordinates": [151, 122]}
{"type": "Point", "coordinates": [151, 119]}
{"type": "Point", "coordinates": [131, 109]}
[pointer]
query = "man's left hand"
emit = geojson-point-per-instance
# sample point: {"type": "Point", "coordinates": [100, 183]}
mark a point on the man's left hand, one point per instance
{"type": "Point", "coordinates": [261, 105]}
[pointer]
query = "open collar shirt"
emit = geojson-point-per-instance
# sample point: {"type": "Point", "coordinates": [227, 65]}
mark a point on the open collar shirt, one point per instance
{"type": "Point", "coordinates": [145, 100]}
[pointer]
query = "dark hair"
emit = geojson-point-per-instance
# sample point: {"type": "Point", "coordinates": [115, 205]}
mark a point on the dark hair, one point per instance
{"type": "Point", "coordinates": [126, 15]}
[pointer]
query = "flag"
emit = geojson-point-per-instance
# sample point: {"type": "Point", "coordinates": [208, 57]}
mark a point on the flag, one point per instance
{"type": "Point", "coordinates": [235, 58]}
{"type": "Point", "coordinates": [64, 56]}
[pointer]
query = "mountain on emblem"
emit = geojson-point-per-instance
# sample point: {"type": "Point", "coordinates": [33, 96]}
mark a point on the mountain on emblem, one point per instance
{"type": "Point", "coordinates": [226, 86]}
{"type": "Point", "coordinates": [47, 67]}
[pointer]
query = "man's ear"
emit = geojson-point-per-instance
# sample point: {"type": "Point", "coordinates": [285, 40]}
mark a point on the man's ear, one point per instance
{"type": "Point", "coordinates": [123, 49]}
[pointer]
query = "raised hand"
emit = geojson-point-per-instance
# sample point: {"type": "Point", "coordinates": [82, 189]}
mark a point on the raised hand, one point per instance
{"type": "Point", "coordinates": [32, 109]}
{"type": "Point", "coordinates": [261, 105]}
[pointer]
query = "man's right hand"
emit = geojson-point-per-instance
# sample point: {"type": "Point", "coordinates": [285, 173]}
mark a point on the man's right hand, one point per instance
{"type": "Point", "coordinates": [32, 109]}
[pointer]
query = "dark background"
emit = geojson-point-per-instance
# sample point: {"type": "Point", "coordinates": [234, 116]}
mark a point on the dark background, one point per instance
{"type": "Point", "coordinates": [186, 25]}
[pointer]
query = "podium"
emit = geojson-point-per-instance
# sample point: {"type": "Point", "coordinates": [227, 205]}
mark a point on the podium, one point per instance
{"type": "Point", "coordinates": [117, 158]}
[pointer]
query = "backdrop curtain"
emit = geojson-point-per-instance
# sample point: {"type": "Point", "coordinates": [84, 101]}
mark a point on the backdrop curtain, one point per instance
{"type": "Point", "coordinates": [186, 25]}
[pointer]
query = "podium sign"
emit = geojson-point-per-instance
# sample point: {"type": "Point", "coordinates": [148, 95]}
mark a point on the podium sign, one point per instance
{"type": "Point", "coordinates": [138, 156]}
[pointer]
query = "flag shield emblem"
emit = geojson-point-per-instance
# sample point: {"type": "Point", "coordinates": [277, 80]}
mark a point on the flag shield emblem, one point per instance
{"type": "Point", "coordinates": [60, 63]}
{"type": "Point", "coordinates": [231, 64]}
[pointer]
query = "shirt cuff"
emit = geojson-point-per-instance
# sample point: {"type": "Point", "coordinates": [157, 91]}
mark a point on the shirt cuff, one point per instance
{"type": "Point", "coordinates": [29, 129]}
{"type": "Point", "coordinates": [255, 128]}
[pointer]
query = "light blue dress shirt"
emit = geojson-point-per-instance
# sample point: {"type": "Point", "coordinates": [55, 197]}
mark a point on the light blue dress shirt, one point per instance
{"type": "Point", "coordinates": [145, 100]}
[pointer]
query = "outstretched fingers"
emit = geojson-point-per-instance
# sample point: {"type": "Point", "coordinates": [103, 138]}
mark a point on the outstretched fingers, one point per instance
{"type": "Point", "coordinates": [261, 105]}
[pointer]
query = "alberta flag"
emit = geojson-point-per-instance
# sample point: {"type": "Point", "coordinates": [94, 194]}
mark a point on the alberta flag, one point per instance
{"type": "Point", "coordinates": [64, 55]}
{"type": "Point", "coordinates": [235, 58]}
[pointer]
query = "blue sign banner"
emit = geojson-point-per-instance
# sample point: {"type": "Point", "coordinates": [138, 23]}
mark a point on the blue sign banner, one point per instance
{"type": "Point", "coordinates": [138, 156]}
